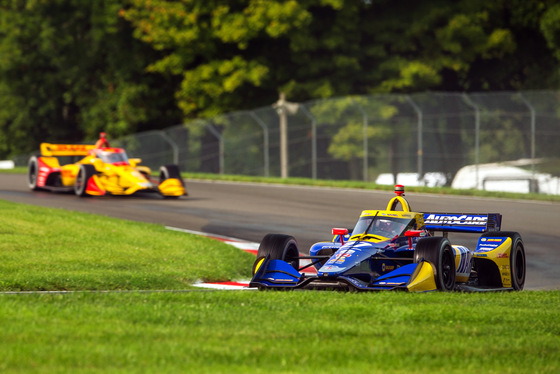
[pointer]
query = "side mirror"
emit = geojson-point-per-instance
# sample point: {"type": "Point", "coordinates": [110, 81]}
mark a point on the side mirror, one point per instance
{"type": "Point", "coordinates": [134, 161]}
{"type": "Point", "coordinates": [413, 234]}
{"type": "Point", "coordinates": [340, 232]}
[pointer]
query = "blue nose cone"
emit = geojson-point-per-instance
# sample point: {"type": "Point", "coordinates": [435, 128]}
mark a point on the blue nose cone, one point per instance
{"type": "Point", "coordinates": [348, 256]}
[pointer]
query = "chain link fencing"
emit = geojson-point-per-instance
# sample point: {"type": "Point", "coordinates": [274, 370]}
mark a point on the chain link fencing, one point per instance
{"type": "Point", "coordinates": [431, 138]}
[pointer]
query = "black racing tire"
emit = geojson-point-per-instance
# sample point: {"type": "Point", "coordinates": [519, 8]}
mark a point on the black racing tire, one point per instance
{"type": "Point", "coordinates": [280, 247]}
{"type": "Point", "coordinates": [169, 171]}
{"type": "Point", "coordinates": [84, 174]}
{"type": "Point", "coordinates": [33, 173]}
{"type": "Point", "coordinates": [517, 264]}
{"type": "Point", "coordinates": [438, 252]}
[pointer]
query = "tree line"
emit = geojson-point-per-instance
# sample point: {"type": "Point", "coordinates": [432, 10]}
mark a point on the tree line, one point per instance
{"type": "Point", "coordinates": [72, 68]}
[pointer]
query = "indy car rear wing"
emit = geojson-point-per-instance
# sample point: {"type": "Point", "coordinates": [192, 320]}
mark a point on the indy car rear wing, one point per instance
{"type": "Point", "coordinates": [48, 149]}
{"type": "Point", "coordinates": [463, 222]}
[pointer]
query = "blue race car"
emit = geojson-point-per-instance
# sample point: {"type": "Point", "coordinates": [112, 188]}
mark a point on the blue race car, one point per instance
{"type": "Point", "coordinates": [398, 250]}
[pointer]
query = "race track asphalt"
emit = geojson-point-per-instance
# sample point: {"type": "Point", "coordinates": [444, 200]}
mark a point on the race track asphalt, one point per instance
{"type": "Point", "coordinates": [249, 211]}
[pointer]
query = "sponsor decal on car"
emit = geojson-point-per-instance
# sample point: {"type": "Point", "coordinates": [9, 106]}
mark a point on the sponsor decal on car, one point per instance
{"type": "Point", "coordinates": [464, 219]}
{"type": "Point", "coordinates": [385, 267]}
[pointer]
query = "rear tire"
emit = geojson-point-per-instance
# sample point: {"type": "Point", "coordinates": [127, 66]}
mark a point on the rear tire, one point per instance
{"type": "Point", "coordinates": [439, 253]}
{"type": "Point", "coordinates": [517, 265]}
{"type": "Point", "coordinates": [82, 179]}
{"type": "Point", "coordinates": [33, 173]}
{"type": "Point", "coordinates": [280, 247]}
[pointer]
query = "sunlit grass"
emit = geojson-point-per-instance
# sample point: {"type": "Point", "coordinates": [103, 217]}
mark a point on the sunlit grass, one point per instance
{"type": "Point", "coordinates": [52, 249]}
{"type": "Point", "coordinates": [113, 323]}
{"type": "Point", "coordinates": [281, 332]}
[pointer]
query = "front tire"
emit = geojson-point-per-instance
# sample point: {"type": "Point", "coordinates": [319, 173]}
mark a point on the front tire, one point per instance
{"type": "Point", "coordinates": [84, 174]}
{"type": "Point", "coordinates": [439, 253]}
{"type": "Point", "coordinates": [169, 171]}
{"type": "Point", "coordinates": [280, 247]}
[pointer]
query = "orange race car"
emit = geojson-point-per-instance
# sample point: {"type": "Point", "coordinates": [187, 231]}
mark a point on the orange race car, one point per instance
{"type": "Point", "coordinates": [99, 171]}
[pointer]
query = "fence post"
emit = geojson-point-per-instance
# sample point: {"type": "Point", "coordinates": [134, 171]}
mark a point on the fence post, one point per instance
{"type": "Point", "coordinates": [470, 103]}
{"type": "Point", "coordinates": [173, 146]}
{"type": "Point", "coordinates": [533, 129]}
{"type": "Point", "coordinates": [313, 140]}
{"type": "Point", "coordinates": [420, 139]}
{"type": "Point", "coordinates": [366, 151]}
{"type": "Point", "coordinates": [220, 138]}
{"type": "Point", "coordinates": [266, 142]}
{"type": "Point", "coordinates": [282, 111]}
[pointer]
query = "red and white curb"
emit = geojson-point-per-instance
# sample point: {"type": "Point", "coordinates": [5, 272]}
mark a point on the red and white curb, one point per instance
{"type": "Point", "coordinates": [244, 245]}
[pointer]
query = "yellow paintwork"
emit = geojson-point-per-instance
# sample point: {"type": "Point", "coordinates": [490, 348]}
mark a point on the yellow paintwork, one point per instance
{"type": "Point", "coordinates": [395, 201]}
{"type": "Point", "coordinates": [51, 162]}
{"type": "Point", "coordinates": [258, 264]}
{"type": "Point", "coordinates": [68, 174]}
{"type": "Point", "coordinates": [501, 257]}
{"type": "Point", "coordinates": [461, 278]}
{"type": "Point", "coordinates": [135, 163]}
{"type": "Point", "coordinates": [172, 187]}
{"type": "Point", "coordinates": [114, 179]}
{"type": "Point", "coordinates": [423, 278]}
{"type": "Point", "coordinates": [96, 193]}
{"type": "Point", "coordinates": [419, 217]}
{"type": "Point", "coordinates": [48, 149]}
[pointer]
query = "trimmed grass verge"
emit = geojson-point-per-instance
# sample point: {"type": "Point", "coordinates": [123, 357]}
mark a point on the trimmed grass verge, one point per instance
{"type": "Point", "coordinates": [53, 249]}
{"type": "Point", "coordinates": [371, 186]}
{"type": "Point", "coordinates": [281, 332]}
{"type": "Point", "coordinates": [201, 331]}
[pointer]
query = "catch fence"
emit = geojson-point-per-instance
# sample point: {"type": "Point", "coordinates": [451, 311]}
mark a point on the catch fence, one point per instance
{"type": "Point", "coordinates": [367, 137]}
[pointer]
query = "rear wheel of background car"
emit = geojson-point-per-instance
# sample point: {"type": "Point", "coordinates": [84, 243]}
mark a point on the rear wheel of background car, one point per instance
{"type": "Point", "coordinates": [439, 253]}
{"type": "Point", "coordinates": [84, 174]}
{"type": "Point", "coordinates": [516, 258]}
{"type": "Point", "coordinates": [280, 247]}
{"type": "Point", "coordinates": [33, 173]}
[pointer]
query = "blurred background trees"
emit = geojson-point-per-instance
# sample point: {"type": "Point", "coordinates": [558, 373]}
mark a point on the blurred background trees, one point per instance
{"type": "Point", "coordinates": [72, 68]}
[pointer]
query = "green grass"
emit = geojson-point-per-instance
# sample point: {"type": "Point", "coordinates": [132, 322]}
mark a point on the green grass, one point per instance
{"type": "Point", "coordinates": [16, 170]}
{"type": "Point", "coordinates": [113, 323]}
{"type": "Point", "coordinates": [369, 186]}
{"type": "Point", "coordinates": [281, 332]}
{"type": "Point", "coordinates": [51, 249]}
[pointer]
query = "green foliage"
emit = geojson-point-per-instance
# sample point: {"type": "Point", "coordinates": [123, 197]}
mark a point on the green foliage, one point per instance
{"type": "Point", "coordinates": [241, 54]}
{"type": "Point", "coordinates": [550, 26]}
{"type": "Point", "coordinates": [69, 68]}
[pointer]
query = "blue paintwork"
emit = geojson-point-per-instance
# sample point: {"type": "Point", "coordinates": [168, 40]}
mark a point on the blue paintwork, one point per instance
{"type": "Point", "coordinates": [456, 222]}
{"type": "Point", "coordinates": [350, 255]}
{"type": "Point", "coordinates": [351, 263]}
